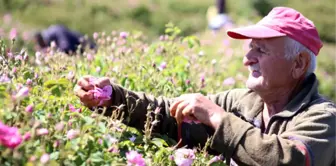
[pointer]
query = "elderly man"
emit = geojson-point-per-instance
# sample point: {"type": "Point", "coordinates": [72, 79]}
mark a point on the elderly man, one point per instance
{"type": "Point", "coordinates": [280, 119]}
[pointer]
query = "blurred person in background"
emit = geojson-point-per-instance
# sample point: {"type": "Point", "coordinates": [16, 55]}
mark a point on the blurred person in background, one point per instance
{"type": "Point", "coordinates": [66, 40]}
{"type": "Point", "coordinates": [221, 18]}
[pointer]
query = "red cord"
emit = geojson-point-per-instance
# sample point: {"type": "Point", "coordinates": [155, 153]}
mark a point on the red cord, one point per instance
{"type": "Point", "coordinates": [179, 135]}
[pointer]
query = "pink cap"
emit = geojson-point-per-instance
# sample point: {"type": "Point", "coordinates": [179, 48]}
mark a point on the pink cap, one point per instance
{"type": "Point", "coordinates": [282, 21]}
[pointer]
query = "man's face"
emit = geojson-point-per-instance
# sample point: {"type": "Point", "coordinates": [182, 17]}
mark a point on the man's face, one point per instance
{"type": "Point", "coordinates": [269, 69]}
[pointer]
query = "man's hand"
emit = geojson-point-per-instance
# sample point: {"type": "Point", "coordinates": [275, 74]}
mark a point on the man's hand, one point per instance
{"type": "Point", "coordinates": [87, 83]}
{"type": "Point", "coordinates": [196, 107]}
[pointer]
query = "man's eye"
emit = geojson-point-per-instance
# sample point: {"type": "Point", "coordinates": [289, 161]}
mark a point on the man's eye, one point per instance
{"type": "Point", "coordinates": [261, 50]}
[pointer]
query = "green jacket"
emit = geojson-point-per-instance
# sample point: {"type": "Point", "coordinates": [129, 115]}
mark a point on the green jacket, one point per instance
{"type": "Point", "coordinates": [302, 134]}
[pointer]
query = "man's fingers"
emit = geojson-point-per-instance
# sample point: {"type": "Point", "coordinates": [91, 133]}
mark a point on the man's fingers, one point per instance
{"type": "Point", "coordinates": [89, 79]}
{"type": "Point", "coordinates": [82, 94]}
{"type": "Point", "coordinates": [179, 109]}
{"type": "Point", "coordinates": [102, 82]}
{"type": "Point", "coordinates": [88, 82]}
{"type": "Point", "coordinates": [87, 98]}
{"type": "Point", "coordinates": [174, 106]}
{"type": "Point", "coordinates": [85, 84]}
{"type": "Point", "coordinates": [179, 99]}
{"type": "Point", "coordinates": [187, 112]}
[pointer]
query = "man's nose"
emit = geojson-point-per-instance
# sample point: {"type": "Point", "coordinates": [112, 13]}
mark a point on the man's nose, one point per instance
{"type": "Point", "coordinates": [250, 58]}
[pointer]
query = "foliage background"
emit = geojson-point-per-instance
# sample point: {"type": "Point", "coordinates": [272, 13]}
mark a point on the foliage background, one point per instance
{"type": "Point", "coordinates": [169, 62]}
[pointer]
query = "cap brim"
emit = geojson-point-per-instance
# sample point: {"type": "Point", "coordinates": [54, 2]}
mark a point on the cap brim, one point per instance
{"type": "Point", "coordinates": [254, 32]}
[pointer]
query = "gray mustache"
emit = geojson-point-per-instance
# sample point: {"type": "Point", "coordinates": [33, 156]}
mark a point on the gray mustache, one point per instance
{"type": "Point", "coordinates": [254, 67]}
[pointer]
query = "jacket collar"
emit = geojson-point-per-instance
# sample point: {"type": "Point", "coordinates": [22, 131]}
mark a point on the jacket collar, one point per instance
{"type": "Point", "coordinates": [309, 89]}
{"type": "Point", "coordinates": [253, 103]}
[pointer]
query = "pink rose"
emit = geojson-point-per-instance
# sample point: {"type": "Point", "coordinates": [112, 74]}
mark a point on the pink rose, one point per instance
{"type": "Point", "coordinates": [44, 158]}
{"type": "Point", "coordinates": [184, 157]}
{"type": "Point", "coordinates": [73, 109]}
{"type": "Point", "coordinates": [42, 131]}
{"type": "Point", "coordinates": [71, 134]}
{"type": "Point", "coordinates": [30, 108]}
{"type": "Point", "coordinates": [13, 33]}
{"type": "Point", "coordinates": [135, 159]}
{"type": "Point", "coordinates": [22, 93]}
{"type": "Point", "coordinates": [102, 94]}
{"type": "Point", "coordinates": [9, 136]}
{"type": "Point", "coordinates": [123, 35]}
{"type": "Point", "coordinates": [27, 136]}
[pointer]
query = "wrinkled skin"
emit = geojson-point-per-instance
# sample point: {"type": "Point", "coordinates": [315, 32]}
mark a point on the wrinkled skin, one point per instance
{"type": "Point", "coordinates": [196, 107]}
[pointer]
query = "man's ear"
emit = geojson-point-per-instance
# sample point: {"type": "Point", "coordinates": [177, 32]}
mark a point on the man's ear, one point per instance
{"type": "Point", "coordinates": [301, 64]}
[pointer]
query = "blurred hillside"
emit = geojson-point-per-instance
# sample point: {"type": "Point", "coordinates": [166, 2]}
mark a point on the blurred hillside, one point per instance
{"type": "Point", "coordinates": [150, 16]}
{"type": "Point", "coordinates": [87, 16]}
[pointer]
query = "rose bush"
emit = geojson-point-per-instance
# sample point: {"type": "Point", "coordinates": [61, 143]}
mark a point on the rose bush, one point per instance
{"type": "Point", "coordinates": [45, 124]}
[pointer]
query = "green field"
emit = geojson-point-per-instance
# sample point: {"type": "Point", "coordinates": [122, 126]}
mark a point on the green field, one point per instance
{"type": "Point", "coordinates": [58, 130]}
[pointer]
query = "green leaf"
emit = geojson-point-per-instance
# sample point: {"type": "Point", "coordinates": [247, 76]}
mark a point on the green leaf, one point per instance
{"type": "Point", "coordinates": [90, 145]}
{"type": "Point", "coordinates": [55, 90]}
{"type": "Point", "coordinates": [123, 81]}
{"type": "Point", "coordinates": [37, 143]}
{"type": "Point", "coordinates": [2, 91]}
{"type": "Point", "coordinates": [79, 160]}
{"type": "Point", "coordinates": [192, 41]}
{"type": "Point", "coordinates": [102, 127]}
{"type": "Point", "coordinates": [62, 83]}
{"type": "Point", "coordinates": [160, 155]}
{"type": "Point", "coordinates": [126, 143]}
{"type": "Point", "coordinates": [159, 142]}
{"type": "Point", "coordinates": [133, 130]}
{"type": "Point", "coordinates": [97, 157]}
{"type": "Point", "coordinates": [88, 120]}
{"type": "Point", "coordinates": [88, 127]}
{"type": "Point", "coordinates": [28, 74]}
{"type": "Point", "coordinates": [54, 155]}
{"type": "Point", "coordinates": [218, 163]}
